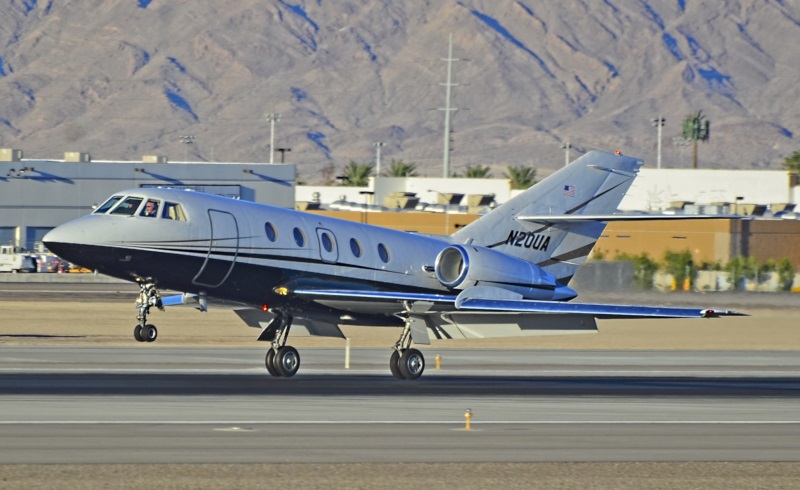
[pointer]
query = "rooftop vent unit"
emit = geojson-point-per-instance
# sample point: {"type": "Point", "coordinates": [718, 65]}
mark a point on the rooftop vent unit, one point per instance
{"type": "Point", "coordinates": [10, 155]}
{"type": "Point", "coordinates": [77, 157]}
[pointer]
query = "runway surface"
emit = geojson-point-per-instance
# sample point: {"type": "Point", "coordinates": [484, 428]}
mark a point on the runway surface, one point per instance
{"type": "Point", "coordinates": [154, 404]}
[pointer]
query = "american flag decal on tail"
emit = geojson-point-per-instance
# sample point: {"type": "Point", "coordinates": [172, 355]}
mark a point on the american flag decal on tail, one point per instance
{"type": "Point", "coordinates": [569, 190]}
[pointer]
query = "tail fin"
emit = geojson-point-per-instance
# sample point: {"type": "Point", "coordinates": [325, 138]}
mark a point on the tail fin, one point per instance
{"type": "Point", "coordinates": [528, 226]}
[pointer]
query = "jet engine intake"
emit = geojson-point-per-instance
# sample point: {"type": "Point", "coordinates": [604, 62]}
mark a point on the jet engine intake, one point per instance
{"type": "Point", "coordinates": [464, 266]}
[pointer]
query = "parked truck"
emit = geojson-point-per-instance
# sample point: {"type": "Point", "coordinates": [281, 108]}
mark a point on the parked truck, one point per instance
{"type": "Point", "coordinates": [16, 259]}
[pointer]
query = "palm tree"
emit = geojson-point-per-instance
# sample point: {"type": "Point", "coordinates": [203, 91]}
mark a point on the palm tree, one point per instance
{"type": "Point", "coordinates": [399, 168]}
{"type": "Point", "coordinates": [356, 174]}
{"type": "Point", "coordinates": [476, 172]}
{"type": "Point", "coordinates": [521, 177]}
{"type": "Point", "coordinates": [696, 128]}
{"type": "Point", "coordinates": [792, 165]}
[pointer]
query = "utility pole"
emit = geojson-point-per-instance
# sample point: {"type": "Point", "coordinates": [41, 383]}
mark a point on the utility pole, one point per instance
{"type": "Point", "coordinates": [659, 123]}
{"type": "Point", "coordinates": [447, 109]}
{"type": "Point", "coordinates": [566, 146]}
{"type": "Point", "coordinates": [272, 118]}
{"type": "Point", "coordinates": [377, 146]}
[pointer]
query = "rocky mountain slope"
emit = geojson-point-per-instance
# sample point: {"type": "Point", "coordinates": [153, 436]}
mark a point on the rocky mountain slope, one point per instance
{"type": "Point", "coordinates": [123, 79]}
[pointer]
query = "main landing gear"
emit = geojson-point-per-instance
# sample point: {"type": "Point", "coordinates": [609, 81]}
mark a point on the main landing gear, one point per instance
{"type": "Point", "coordinates": [282, 360]}
{"type": "Point", "coordinates": [148, 297]}
{"type": "Point", "coordinates": [405, 362]}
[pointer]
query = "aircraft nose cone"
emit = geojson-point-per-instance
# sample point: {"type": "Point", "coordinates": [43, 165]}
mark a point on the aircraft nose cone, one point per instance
{"type": "Point", "coordinates": [65, 240]}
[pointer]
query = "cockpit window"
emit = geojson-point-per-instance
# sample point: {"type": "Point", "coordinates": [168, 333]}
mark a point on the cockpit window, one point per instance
{"type": "Point", "coordinates": [128, 207]}
{"type": "Point", "coordinates": [150, 209]}
{"type": "Point", "coordinates": [107, 205]}
{"type": "Point", "coordinates": [173, 211]}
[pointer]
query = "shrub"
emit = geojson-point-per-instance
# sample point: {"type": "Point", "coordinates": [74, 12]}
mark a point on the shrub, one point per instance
{"type": "Point", "coordinates": [785, 274]}
{"type": "Point", "coordinates": [644, 269]}
{"type": "Point", "coordinates": [681, 266]}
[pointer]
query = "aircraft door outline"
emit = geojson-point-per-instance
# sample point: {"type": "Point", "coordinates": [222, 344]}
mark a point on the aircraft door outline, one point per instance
{"type": "Point", "coordinates": [328, 248]}
{"type": "Point", "coordinates": [224, 240]}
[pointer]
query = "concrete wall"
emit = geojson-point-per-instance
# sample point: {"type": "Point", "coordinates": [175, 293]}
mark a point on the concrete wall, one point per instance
{"type": "Point", "coordinates": [426, 189]}
{"type": "Point", "coordinates": [708, 240]}
{"type": "Point", "coordinates": [654, 189]}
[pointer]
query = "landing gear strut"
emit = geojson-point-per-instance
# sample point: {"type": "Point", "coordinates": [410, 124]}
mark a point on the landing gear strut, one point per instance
{"type": "Point", "coordinates": [405, 362]}
{"type": "Point", "coordinates": [282, 360]}
{"type": "Point", "coordinates": [148, 297]}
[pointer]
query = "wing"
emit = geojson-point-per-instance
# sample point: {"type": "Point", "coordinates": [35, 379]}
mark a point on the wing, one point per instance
{"type": "Point", "coordinates": [592, 218]}
{"type": "Point", "coordinates": [597, 310]}
{"type": "Point", "coordinates": [485, 299]}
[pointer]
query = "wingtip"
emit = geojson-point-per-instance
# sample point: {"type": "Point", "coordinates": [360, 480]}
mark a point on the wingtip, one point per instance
{"type": "Point", "coordinates": [716, 313]}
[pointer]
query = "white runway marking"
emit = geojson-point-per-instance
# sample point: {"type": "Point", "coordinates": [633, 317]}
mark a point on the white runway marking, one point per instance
{"type": "Point", "coordinates": [404, 422]}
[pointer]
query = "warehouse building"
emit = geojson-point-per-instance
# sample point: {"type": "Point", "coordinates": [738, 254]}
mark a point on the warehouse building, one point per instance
{"type": "Point", "coordinates": [38, 195]}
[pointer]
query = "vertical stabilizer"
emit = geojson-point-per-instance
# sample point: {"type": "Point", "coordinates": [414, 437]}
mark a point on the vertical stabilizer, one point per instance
{"type": "Point", "coordinates": [594, 184]}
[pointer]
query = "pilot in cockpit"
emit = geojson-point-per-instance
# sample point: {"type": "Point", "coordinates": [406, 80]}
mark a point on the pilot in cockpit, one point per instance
{"type": "Point", "coordinates": [150, 209]}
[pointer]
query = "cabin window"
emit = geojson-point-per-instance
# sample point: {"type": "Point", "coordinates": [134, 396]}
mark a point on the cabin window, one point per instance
{"type": "Point", "coordinates": [355, 247]}
{"type": "Point", "coordinates": [107, 205]}
{"type": "Point", "coordinates": [150, 209]}
{"type": "Point", "coordinates": [327, 242]}
{"type": "Point", "coordinates": [299, 237]}
{"type": "Point", "coordinates": [269, 229]}
{"type": "Point", "coordinates": [173, 211]}
{"type": "Point", "coordinates": [383, 253]}
{"type": "Point", "coordinates": [128, 207]}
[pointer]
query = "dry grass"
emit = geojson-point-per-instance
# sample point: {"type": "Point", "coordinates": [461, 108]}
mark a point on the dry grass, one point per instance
{"type": "Point", "coordinates": [61, 323]}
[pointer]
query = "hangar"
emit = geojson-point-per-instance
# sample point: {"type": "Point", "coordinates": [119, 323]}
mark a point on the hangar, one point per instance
{"type": "Point", "coordinates": [37, 195]}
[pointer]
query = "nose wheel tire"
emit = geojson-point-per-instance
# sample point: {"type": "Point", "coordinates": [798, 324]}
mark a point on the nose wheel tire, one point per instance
{"type": "Point", "coordinates": [150, 333]}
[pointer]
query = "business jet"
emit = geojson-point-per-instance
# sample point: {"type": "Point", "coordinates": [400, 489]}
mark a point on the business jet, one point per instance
{"type": "Point", "coordinates": [505, 274]}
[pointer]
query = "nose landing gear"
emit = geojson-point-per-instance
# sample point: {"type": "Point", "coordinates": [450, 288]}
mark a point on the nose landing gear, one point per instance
{"type": "Point", "coordinates": [148, 297]}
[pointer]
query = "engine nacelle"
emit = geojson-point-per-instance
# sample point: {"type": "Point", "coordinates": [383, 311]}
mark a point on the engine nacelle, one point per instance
{"type": "Point", "coordinates": [464, 266]}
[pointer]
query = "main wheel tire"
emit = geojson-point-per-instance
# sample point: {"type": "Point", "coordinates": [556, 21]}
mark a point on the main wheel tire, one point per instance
{"type": "Point", "coordinates": [150, 333]}
{"type": "Point", "coordinates": [287, 361]}
{"type": "Point", "coordinates": [270, 362]}
{"type": "Point", "coordinates": [394, 365]}
{"type": "Point", "coordinates": [137, 333]}
{"type": "Point", "coordinates": [412, 364]}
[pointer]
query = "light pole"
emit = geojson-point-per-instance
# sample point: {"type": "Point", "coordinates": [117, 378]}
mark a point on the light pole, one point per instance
{"type": "Point", "coordinates": [659, 123]}
{"type": "Point", "coordinates": [283, 153]}
{"type": "Point", "coordinates": [367, 196]}
{"type": "Point", "coordinates": [272, 118]}
{"type": "Point", "coordinates": [377, 146]}
{"type": "Point", "coordinates": [446, 212]}
{"type": "Point", "coordinates": [566, 146]}
{"type": "Point", "coordinates": [187, 140]}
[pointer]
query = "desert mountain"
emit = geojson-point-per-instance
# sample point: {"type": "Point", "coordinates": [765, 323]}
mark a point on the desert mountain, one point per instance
{"type": "Point", "coordinates": [127, 78]}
